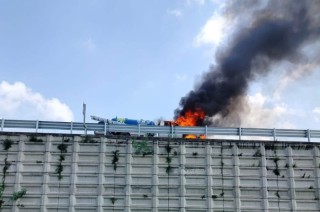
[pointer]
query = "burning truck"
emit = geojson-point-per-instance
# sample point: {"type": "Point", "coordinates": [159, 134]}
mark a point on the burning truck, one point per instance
{"type": "Point", "coordinates": [123, 121]}
{"type": "Point", "coordinates": [190, 119]}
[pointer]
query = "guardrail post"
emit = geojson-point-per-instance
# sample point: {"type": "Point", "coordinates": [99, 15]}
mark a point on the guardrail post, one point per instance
{"type": "Point", "coordinates": [274, 134]}
{"type": "Point", "coordinates": [240, 133]}
{"type": "Point", "coordinates": [105, 128]}
{"type": "Point", "coordinates": [309, 137]}
{"type": "Point", "coordinates": [139, 130]}
{"type": "Point", "coordinates": [171, 131]}
{"type": "Point", "coordinates": [206, 131]}
{"type": "Point", "coordinates": [71, 127]}
{"type": "Point", "coordinates": [85, 129]}
{"type": "Point", "coordinates": [37, 126]}
{"type": "Point", "coordinates": [2, 124]}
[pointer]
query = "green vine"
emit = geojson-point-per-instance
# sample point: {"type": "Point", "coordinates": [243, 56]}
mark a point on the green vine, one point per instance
{"type": "Point", "coordinates": [87, 139]}
{"type": "Point", "coordinates": [1, 198]}
{"type": "Point", "coordinates": [168, 148]}
{"type": "Point", "coordinates": [257, 153]}
{"type": "Point", "coordinates": [222, 174]}
{"type": "Point", "coordinates": [276, 171]}
{"type": "Point", "coordinates": [19, 194]}
{"type": "Point", "coordinates": [168, 159]}
{"type": "Point", "coordinates": [214, 196]}
{"type": "Point", "coordinates": [115, 159]}
{"type": "Point", "coordinates": [35, 139]}
{"type": "Point", "coordinates": [113, 200]}
{"type": "Point", "coordinates": [277, 194]}
{"type": "Point", "coordinates": [63, 149]}
{"type": "Point", "coordinates": [142, 148]}
{"type": "Point", "coordinates": [7, 144]}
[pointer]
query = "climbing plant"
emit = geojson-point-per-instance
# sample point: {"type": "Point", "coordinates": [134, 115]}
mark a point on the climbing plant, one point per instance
{"type": "Point", "coordinates": [142, 148]}
{"type": "Point", "coordinates": [276, 172]}
{"type": "Point", "coordinates": [7, 144]}
{"type": "Point", "coordinates": [88, 139]}
{"type": "Point", "coordinates": [222, 174]}
{"type": "Point", "coordinates": [221, 194]}
{"type": "Point", "coordinates": [63, 149]}
{"type": "Point", "coordinates": [35, 139]}
{"type": "Point", "coordinates": [115, 159]}
{"type": "Point", "coordinates": [257, 153]}
{"type": "Point", "coordinates": [19, 194]}
{"type": "Point", "coordinates": [168, 149]}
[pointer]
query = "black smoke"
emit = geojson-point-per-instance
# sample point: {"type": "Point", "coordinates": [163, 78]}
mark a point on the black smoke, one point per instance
{"type": "Point", "coordinates": [276, 32]}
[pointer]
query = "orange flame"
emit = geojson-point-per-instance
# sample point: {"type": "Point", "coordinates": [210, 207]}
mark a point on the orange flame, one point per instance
{"type": "Point", "coordinates": [191, 118]}
{"type": "Point", "coordinates": [190, 136]}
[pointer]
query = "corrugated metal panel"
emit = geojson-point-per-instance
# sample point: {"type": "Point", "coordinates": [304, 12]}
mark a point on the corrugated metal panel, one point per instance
{"type": "Point", "coordinates": [102, 174]}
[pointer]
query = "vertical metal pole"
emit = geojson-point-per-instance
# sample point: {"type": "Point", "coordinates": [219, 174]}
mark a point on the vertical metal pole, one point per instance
{"type": "Point", "coordinates": [139, 130]}
{"type": "Point", "coordinates": [291, 177]}
{"type": "Point", "coordinates": [101, 178]}
{"type": "Point", "coordinates": [274, 134]}
{"type": "Point", "coordinates": [206, 131]}
{"type": "Point", "coordinates": [317, 173]}
{"type": "Point", "coordinates": [105, 128]}
{"type": "Point", "coordinates": [171, 131]}
{"type": "Point", "coordinates": [240, 133]}
{"type": "Point", "coordinates": [84, 108]}
{"type": "Point", "coordinates": [71, 127]}
{"type": "Point", "coordinates": [264, 178]}
{"type": "Point", "coordinates": [128, 177]}
{"type": "Point", "coordinates": [183, 177]}
{"type": "Point", "coordinates": [155, 179]}
{"type": "Point", "coordinates": [208, 150]}
{"type": "Point", "coordinates": [37, 126]}
{"type": "Point", "coordinates": [2, 124]}
{"type": "Point", "coordinates": [74, 163]}
{"type": "Point", "coordinates": [309, 137]}
{"type": "Point", "coordinates": [236, 178]}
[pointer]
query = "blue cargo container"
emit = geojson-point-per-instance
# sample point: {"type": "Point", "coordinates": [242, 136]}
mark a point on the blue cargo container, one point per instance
{"type": "Point", "coordinates": [124, 121]}
{"type": "Point", "coordinates": [131, 121]}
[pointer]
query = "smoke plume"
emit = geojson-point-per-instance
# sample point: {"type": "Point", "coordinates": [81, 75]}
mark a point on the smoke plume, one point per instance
{"type": "Point", "coordinates": [278, 30]}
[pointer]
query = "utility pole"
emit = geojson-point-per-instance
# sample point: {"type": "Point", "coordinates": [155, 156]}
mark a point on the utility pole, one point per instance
{"type": "Point", "coordinates": [84, 107]}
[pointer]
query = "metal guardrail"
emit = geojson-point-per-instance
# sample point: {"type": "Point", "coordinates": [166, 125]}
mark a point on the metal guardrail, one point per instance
{"type": "Point", "coordinates": [172, 131]}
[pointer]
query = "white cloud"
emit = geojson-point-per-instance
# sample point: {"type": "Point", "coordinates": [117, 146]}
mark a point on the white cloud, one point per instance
{"type": "Point", "coordinates": [260, 113]}
{"type": "Point", "coordinates": [175, 12]}
{"type": "Point", "coordinates": [212, 32]}
{"type": "Point", "coordinates": [17, 101]}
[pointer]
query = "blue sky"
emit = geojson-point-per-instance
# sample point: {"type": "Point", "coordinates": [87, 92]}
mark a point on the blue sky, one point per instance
{"type": "Point", "coordinates": [132, 59]}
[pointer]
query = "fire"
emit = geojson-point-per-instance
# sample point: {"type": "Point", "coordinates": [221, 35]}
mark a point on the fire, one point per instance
{"type": "Point", "coordinates": [191, 118]}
